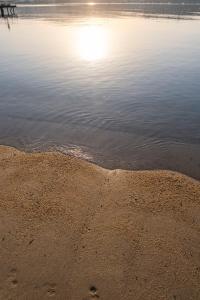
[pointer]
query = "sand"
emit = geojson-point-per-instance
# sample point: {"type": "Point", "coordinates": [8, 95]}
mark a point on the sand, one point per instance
{"type": "Point", "coordinates": [72, 230]}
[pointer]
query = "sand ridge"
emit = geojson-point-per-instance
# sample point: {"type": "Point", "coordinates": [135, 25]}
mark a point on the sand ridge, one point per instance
{"type": "Point", "coordinates": [72, 230]}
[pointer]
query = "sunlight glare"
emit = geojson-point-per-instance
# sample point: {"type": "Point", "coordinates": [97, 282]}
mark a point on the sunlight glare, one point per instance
{"type": "Point", "coordinates": [91, 42]}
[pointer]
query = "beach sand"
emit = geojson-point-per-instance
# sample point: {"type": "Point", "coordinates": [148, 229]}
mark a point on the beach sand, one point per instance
{"type": "Point", "coordinates": [72, 230]}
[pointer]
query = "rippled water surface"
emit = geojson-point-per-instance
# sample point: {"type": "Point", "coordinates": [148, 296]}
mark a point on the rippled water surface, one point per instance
{"type": "Point", "coordinates": [116, 84]}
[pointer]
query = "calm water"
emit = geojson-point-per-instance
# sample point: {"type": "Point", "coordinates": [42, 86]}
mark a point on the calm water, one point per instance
{"type": "Point", "coordinates": [116, 84]}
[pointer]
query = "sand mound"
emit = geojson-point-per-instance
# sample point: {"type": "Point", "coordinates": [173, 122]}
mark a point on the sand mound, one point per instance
{"type": "Point", "coordinates": [71, 230]}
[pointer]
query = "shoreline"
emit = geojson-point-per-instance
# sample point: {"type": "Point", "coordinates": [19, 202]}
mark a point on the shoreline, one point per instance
{"type": "Point", "coordinates": [70, 229]}
{"type": "Point", "coordinates": [76, 152]}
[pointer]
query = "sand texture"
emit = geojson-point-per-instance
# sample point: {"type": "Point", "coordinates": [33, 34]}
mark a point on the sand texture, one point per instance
{"type": "Point", "coordinates": [72, 230]}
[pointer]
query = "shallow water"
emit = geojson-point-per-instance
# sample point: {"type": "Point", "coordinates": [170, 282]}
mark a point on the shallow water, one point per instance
{"type": "Point", "coordinates": [116, 84]}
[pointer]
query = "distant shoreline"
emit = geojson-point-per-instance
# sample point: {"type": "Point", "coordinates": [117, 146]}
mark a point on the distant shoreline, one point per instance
{"type": "Point", "coordinates": [180, 2]}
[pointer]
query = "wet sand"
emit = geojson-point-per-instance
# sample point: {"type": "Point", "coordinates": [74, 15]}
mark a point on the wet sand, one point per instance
{"type": "Point", "coordinates": [72, 230]}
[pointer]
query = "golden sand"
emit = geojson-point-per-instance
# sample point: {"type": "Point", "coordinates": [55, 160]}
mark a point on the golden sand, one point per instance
{"type": "Point", "coordinates": [74, 231]}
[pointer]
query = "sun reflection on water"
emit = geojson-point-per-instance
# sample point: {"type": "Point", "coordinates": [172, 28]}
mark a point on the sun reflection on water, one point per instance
{"type": "Point", "coordinates": [91, 42]}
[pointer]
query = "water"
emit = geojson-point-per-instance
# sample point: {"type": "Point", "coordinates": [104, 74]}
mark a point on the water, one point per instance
{"type": "Point", "coordinates": [118, 85]}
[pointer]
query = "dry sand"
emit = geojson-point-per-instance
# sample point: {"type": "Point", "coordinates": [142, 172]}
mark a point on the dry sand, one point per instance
{"type": "Point", "coordinates": [72, 230]}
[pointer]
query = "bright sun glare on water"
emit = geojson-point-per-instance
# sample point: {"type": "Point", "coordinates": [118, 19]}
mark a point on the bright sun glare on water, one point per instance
{"type": "Point", "coordinates": [91, 42]}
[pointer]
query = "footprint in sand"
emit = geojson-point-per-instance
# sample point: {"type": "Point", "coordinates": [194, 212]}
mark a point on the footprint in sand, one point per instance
{"type": "Point", "coordinates": [93, 292]}
{"type": "Point", "coordinates": [51, 290]}
{"type": "Point", "coordinates": [12, 278]}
